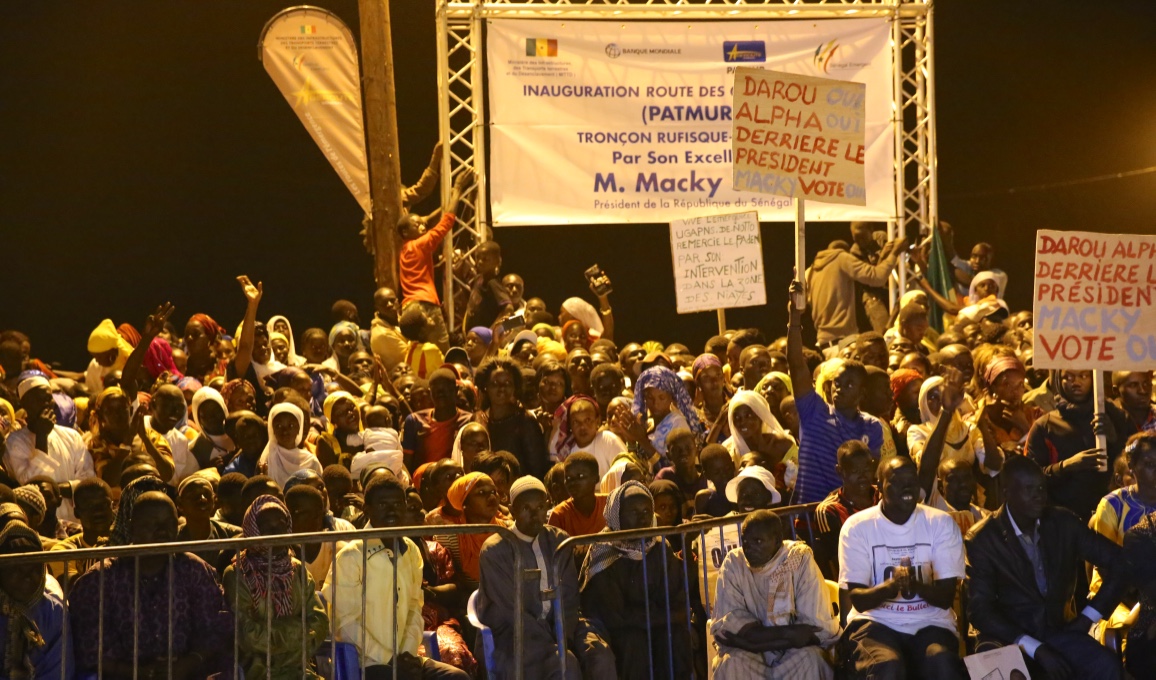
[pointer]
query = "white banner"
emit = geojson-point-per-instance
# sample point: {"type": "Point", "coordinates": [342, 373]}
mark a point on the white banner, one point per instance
{"type": "Point", "coordinates": [1093, 301]}
{"type": "Point", "coordinates": [608, 122]}
{"type": "Point", "coordinates": [310, 54]}
{"type": "Point", "coordinates": [718, 262]}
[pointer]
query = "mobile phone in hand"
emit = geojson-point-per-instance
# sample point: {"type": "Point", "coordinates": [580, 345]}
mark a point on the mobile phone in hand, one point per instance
{"type": "Point", "coordinates": [598, 280]}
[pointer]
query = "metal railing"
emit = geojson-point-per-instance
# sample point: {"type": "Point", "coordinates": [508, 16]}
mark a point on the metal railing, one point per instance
{"type": "Point", "coordinates": [299, 541]}
{"type": "Point", "coordinates": [788, 515]}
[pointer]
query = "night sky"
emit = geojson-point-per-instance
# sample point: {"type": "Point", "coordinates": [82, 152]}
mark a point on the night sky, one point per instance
{"type": "Point", "coordinates": [146, 156]}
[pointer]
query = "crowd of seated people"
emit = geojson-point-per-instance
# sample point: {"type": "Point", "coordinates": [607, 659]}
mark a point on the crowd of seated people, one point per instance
{"type": "Point", "coordinates": [958, 501]}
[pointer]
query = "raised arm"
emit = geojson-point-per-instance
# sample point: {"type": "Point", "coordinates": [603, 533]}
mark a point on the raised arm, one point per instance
{"type": "Point", "coordinates": [248, 326]}
{"type": "Point", "coordinates": [154, 324]}
{"type": "Point", "coordinates": [933, 451]}
{"type": "Point", "coordinates": [801, 380]}
{"type": "Point", "coordinates": [428, 181]}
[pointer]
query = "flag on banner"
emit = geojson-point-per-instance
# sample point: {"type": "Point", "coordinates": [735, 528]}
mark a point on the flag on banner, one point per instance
{"type": "Point", "coordinates": [939, 277]}
{"type": "Point", "coordinates": [311, 57]}
{"type": "Point", "coordinates": [541, 47]}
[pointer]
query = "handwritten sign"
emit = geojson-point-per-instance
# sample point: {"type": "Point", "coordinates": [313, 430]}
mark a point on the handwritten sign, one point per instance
{"type": "Point", "coordinates": [799, 136]}
{"type": "Point", "coordinates": [718, 262]}
{"type": "Point", "coordinates": [1093, 301]}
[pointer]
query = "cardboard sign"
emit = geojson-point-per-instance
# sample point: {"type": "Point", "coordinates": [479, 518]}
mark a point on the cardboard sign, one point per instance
{"type": "Point", "coordinates": [1004, 663]}
{"type": "Point", "coordinates": [718, 262]}
{"type": "Point", "coordinates": [799, 136]}
{"type": "Point", "coordinates": [1092, 301]}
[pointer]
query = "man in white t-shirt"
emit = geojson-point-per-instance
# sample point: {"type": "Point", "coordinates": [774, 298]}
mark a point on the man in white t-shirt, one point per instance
{"type": "Point", "coordinates": [900, 562]}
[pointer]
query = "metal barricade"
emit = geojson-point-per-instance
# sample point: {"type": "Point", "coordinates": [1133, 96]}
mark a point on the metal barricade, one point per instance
{"type": "Point", "coordinates": [391, 537]}
{"type": "Point", "coordinates": [789, 515]}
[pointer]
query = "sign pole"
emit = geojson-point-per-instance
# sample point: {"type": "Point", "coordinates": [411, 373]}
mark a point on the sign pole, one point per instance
{"type": "Point", "coordinates": [800, 252]}
{"type": "Point", "coordinates": [722, 321]}
{"type": "Point", "coordinates": [1098, 395]}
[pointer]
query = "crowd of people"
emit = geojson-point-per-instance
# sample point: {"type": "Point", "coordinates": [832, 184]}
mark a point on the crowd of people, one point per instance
{"type": "Point", "coordinates": [962, 503]}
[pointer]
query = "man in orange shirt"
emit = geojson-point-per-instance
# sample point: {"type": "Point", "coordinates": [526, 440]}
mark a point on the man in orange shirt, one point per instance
{"type": "Point", "coordinates": [416, 262]}
{"type": "Point", "coordinates": [584, 512]}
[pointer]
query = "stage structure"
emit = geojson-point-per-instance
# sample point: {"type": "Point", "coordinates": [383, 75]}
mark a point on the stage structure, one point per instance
{"type": "Point", "coordinates": [461, 27]}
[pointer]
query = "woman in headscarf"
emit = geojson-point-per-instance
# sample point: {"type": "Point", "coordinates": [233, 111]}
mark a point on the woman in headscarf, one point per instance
{"type": "Point", "coordinates": [661, 405]}
{"type": "Point", "coordinates": [624, 469]}
{"type": "Point", "coordinates": [118, 439]}
{"type": "Point", "coordinates": [475, 497]}
{"type": "Point", "coordinates": [341, 440]}
{"type": "Point", "coordinates": [158, 361]}
{"type": "Point", "coordinates": [774, 387]}
{"type": "Point", "coordinates": [121, 532]}
{"type": "Point", "coordinates": [212, 445]}
{"type": "Point", "coordinates": [239, 395]}
{"type": "Point", "coordinates": [344, 340]}
{"type": "Point", "coordinates": [280, 324]}
{"type": "Point", "coordinates": [575, 335]}
{"type": "Point", "coordinates": [261, 579]}
{"type": "Point", "coordinates": [755, 429]}
{"type": "Point", "coordinates": [1063, 442]}
{"type": "Point", "coordinates": [109, 350]}
{"type": "Point", "coordinates": [711, 395]}
{"type": "Point", "coordinates": [479, 341]}
{"type": "Point", "coordinates": [201, 336]}
{"type": "Point", "coordinates": [284, 454]}
{"type": "Point", "coordinates": [621, 596]}
{"type": "Point", "coordinates": [961, 441]}
{"type": "Point", "coordinates": [31, 618]}
{"type": "Point", "coordinates": [576, 308]}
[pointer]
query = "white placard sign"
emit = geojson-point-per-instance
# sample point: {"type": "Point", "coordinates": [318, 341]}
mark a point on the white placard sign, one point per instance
{"type": "Point", "coordinates": [718, 262]}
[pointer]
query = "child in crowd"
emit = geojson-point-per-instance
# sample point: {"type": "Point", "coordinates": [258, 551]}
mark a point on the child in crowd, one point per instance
{"type": "Point", "coordinates": [719, 469]}
{"type": "Point", "coordinates": [856, 467]}
{"type": "Point", "coordinates": [584, 512]}
{"type": "Point", "coordinates": [682, 449]}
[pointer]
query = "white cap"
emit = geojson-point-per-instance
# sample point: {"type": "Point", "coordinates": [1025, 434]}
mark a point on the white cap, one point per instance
{"type": "Point", "coordinates": [31, 384]}
{"type": "Point", "coordinates": [753, 472]}
{"type": "Point", "coordinates": [523, 484]}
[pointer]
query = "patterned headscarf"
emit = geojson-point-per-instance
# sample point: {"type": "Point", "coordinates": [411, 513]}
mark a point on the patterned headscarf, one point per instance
{"type": "Point", "coordinates": [564, 438]}
{"type": "Point", "coordinates": [159, 359]}
{"type": "Point", "coordinates": [662, 378]}
{"type": "Point", "coordinates": [256, 564]}
{"type": "Point", "coordinates": [901, 379]}
{"type": "Point", "coordinates": [602, 555]}
{"type": "Point", "coordinates": [703, 362]}
{"type": "Point", "coordinates": [232, 386]}
{"type": "Point", "coordinates": [23, 634]}
{"type": "Point", "coordinates": [121, 533]}
{"type": "Point", "coordinates": [212, 329]}
{"type": "Point", "coordinates": [129, 333]}
{"type": "Point", "coordinates": [30, 494]}
{"type": "Point", "coordinates": [1002, 364]}
{"type": "Point", "coordinates": [341, 326]}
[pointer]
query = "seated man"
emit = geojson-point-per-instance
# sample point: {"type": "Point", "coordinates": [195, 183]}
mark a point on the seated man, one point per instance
{"type": "Point", "coordinates": [93, 499]}
{"type": "Point", "coordinates": [397, 594]}
{"type": "Point", "coordinates": [538, 542]}
{"type": "Point", "coordinates": [900, 562]}
{"type": "Point", "coordinates": [773, 611]}
{"type": "Point", "coordinates": [138, 605]}
{"type": "Point", "coordinates": [1022, 565]}
{"type": "Point", "coordinates": [856, 467]}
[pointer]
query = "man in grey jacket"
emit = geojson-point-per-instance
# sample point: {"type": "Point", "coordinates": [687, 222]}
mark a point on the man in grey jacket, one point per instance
{"type": "Point", "coordinates": [831, 283]}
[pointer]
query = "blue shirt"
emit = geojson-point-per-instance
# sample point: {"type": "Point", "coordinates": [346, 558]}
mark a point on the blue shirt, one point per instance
{"type": "Point", "coordinates": [241, 464]}
{"type": "Point", "coordinates": [48, 615]}
{"type": "Point", "coordinates": [822, 430]}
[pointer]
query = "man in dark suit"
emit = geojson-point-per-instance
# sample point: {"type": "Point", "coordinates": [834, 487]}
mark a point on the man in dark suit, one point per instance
{"type": "Point", "coordinates": [1022, 565]}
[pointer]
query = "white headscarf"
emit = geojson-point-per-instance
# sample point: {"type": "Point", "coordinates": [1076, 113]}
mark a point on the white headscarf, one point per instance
{"type": "Point", "coordinates": [755, 402]}
{"type": "Point", "coordinates": [584, 312]}
{"type": "Point", "coordinates": [222, 444]}
{"type": "Point", "coordinates": [1000, 280]}
{"type": "Point", "coordinates": [283, 462]}
{"type": "Point", "coordinates": [958, 441]}
{"type": "Point", "coordinates": [613, 477]}
{"type": "Point", "coordinates": [293, 359]}
{"type": "Point", "coordinates": [381, 446]}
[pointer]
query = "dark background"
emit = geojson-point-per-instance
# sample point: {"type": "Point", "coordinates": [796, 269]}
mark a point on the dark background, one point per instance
{"type": "Point", "coordinates": [145, 155]}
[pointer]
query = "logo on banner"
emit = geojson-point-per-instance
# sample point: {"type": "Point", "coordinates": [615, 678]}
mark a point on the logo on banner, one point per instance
{"type": "Point", "coordinates": [308, 30]}
{"type": "Point", "coordinates": [824, 54]}
{"type": "Point", "coordinates": [613, 51]}
{"type": "Point", "coordinates": [541, 47]}
{"type": "Point", "coordinates": [744, 50]}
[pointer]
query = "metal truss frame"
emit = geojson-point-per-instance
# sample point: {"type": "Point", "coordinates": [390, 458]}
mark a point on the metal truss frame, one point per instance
{"type": "Point", "coordinates": [461, 94]}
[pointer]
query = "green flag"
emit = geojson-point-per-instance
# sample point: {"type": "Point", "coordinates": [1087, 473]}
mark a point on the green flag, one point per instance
{"type": "Point", "coordinates": [939, 276]}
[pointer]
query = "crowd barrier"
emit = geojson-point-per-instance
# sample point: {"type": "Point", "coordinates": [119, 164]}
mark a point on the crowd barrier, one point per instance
{"type": "Point", "coordinates": [338, 664]}
{"type": "Point", "coordinates": [789, 515]}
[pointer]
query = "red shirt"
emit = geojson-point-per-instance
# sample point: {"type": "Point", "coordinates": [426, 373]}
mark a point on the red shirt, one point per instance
{"type": "Point", "coordinates": [567, 517]}
{"type": "Point", "coordinates": [416, 263]}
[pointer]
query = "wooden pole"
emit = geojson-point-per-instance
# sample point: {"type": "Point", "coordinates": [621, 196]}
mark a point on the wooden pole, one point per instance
{"type": "Point", "coordinates": [800, 252]}
{"type": "Point", "coordinates": [722, 321]}
{"type": "Point", "coordinates": [1098, 388]}
{"type": "Point", "coordinates": [381, 137]}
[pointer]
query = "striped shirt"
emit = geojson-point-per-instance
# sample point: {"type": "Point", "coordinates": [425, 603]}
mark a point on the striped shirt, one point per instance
{"type": "Point", "coordinates": [822, 430]}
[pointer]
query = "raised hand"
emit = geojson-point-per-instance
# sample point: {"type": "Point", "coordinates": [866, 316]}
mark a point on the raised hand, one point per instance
{"type": "Point", "coordinates": [155, 323]}
{"type": "Point", "coordinates": [252, 293]}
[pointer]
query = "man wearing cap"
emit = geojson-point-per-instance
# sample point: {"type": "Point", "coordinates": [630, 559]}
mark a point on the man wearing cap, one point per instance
{"type": "Point", "coordinates": [45, 448]}
{"type": "Point", "coordinates": [752, 489]}
{"type": "Point", "coordinates": [537, 542]}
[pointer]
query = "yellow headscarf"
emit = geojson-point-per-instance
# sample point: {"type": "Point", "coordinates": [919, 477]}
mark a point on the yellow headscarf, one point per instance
{"type": "Point", "coordinates": [106, 338]}
{"type": "Point", "coordinates": [331, 401]}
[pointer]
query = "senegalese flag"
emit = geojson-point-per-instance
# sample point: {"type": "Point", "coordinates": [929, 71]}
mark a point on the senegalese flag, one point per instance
{"type": "Point", "coordinates": [308, 29]}
{"type": "Point", "coordinates": [939, 276]}
{"type": "Point", "coordinates": [541, 47]}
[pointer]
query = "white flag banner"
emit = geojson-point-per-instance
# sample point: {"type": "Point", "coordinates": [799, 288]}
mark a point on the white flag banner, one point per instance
{"type": "Point", "coordinates": [310, 54]}
{"type": "Point", "coordinates": [597, 122]}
